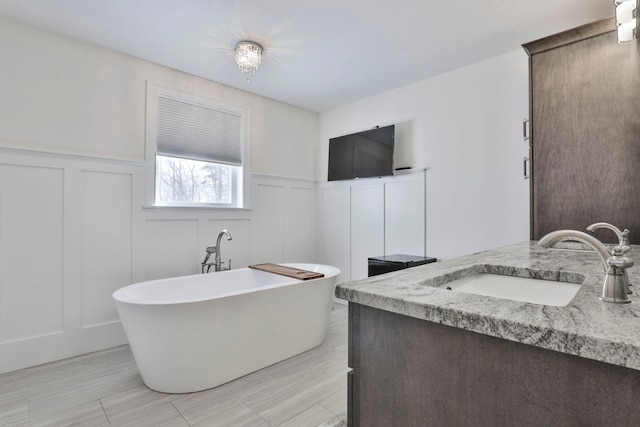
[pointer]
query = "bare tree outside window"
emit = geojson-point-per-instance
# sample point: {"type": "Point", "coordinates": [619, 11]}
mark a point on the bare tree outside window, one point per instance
{"type": "Point", "coordinates": [192, 181]}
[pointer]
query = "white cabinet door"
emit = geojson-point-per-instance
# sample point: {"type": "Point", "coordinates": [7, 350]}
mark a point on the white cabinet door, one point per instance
{"type": "Point", "coordinates": [404, 231]}
{"type": "Point", "coordinates": [335, 229]}
{"type": "Point", "coordinates": [367, 226]}
{"type": "Point", "coordinates": [359, 220]}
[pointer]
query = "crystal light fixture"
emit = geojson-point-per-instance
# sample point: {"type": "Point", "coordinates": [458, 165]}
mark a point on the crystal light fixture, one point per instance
{"type": "Point", "coordinates": [626, 19]}
{"type": "Point", "coordinates": [248, 57]}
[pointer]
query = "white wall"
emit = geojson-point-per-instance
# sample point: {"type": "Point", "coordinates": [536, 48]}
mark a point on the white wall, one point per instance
{"type": "Point", "coordinates": [72, 223]}
{"type": "Point", "coordinates": [466, 127]}
{"type": "Point", "coordinates": [65, 96]}
{"type": "Point", "coordinates": [73, 228]}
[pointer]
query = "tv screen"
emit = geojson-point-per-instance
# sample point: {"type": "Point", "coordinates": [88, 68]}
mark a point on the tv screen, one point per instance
{"type": "Point", "coordinates": [362, 155]}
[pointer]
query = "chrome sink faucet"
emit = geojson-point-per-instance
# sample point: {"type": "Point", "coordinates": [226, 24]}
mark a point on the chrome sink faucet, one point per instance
{"type": "Point", "coordinates": [614, 287]}
{"type": "Point", "coordinates": [623, 242]}
{"type": "Point", "coordinates": [217, 263]}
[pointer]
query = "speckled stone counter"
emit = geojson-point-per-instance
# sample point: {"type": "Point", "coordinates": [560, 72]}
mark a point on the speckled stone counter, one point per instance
{"type": "Point", "coordinates": [586, 327]}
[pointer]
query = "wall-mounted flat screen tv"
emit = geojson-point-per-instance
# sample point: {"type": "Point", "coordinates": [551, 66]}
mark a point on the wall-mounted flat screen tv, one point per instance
{"type": "Point", "coordinates": [362, 155]}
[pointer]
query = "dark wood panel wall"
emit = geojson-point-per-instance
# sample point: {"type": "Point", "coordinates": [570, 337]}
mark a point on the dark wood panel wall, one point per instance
{"type": "Point", "coordinates": [585, 131]}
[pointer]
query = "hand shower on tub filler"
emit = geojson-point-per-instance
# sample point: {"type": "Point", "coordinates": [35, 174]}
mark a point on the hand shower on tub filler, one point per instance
{"type": "Point", "coordinates": [217, 262]}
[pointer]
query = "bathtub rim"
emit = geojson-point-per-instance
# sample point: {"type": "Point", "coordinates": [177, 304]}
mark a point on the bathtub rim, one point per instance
{"type": "Point", "coordinates": [120, 294]}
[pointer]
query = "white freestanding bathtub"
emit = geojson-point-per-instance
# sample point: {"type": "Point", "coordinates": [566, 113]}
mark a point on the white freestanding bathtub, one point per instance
{"type": "Point", "coordinates": [196, 332]}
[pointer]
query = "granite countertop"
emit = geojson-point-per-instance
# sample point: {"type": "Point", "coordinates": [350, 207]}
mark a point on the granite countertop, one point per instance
{"type": "Point", "coordinates": [586, 327]}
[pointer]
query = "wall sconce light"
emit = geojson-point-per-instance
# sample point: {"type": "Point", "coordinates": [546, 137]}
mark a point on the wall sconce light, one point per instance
{"type": "Point", "coordinates": [248, 57]}
{"type": "Point", "coordinates": [626, 19]}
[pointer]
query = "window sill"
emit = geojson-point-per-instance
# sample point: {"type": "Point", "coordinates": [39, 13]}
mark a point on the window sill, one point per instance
{"type": "Point", "coordinates": [211, 208]}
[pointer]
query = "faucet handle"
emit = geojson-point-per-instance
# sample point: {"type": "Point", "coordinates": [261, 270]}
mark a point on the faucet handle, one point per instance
{"type": "Point", "coordinates": [623, 246]}
{"type": "Point", "coordinates": [624, 243]}
{"type": "Point", "coordinates": [618, 259]}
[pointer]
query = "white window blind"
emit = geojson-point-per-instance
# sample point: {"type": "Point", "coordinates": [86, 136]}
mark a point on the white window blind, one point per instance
{"type": "Point", "coordinates": [191, 131]}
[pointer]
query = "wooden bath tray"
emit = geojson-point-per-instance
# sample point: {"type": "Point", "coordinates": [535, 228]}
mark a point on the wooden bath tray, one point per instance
{"type": "Point", "coordinates": [296, 273]}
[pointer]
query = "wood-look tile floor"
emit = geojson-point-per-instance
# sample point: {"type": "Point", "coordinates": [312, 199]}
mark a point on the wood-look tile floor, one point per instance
{"type": "Point", "coordinates": [105, 388]}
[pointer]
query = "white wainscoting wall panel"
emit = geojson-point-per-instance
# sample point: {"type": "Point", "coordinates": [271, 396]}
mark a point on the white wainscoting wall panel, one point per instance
{"type": "Point", "coordinates": [171, 248]}
{"type": "Point", "coordinates": [268, 223]}
{"type": "Point", "coordinates": [335, 228]}
{"type": "Point", "coordinates": [107, 241]}
{"type": "Point", "coordinates": [74, 229]}
{"type": "Point", "coordinates": [65, 244]}
{"type": "Point", "coordinates": [300, 224]}
{"type": "Point", "coordinates": [283, 227]}
{"type": "Point", "coordinates": [370, 217]}
{"type": "Point", "coordinates": [367, 227]}
{"type": "Point", "coordinates": [31, 251]}
{"type": "Point", "coordinates": [405, 215]}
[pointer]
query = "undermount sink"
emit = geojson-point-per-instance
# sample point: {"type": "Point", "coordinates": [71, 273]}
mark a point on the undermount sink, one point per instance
{"type": "Point", "coordinates": [524, 289]}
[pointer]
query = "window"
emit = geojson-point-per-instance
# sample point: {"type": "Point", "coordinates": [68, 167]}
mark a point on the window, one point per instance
{"type": "Point", "coordinates": [198, 146]}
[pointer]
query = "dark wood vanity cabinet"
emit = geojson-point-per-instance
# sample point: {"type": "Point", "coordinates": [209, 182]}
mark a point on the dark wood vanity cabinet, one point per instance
{"type": "Point", "coordinates": [412, 372]}
{"type": "Point", "coordinates": [585, 131]}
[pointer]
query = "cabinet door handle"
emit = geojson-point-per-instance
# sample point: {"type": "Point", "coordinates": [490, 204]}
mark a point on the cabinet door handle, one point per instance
{"type": "Point", "coordinates": [524, 167]}
{"type": "Point", "coordinates": [525, 129]}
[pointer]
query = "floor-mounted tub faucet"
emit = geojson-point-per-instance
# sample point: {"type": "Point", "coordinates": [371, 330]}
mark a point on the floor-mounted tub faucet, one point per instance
{"type": "Point", "coordinates": [217, 263]}
{"type": "Point", "coordinates": [614, 286]}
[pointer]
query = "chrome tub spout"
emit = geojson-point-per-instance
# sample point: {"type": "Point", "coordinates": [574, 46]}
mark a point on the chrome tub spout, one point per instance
{"type": "Point", "coordinates": [218, 259]}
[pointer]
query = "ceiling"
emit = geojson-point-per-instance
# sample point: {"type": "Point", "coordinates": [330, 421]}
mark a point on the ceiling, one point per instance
{"type": "Point", "coordinates": [319, 54]}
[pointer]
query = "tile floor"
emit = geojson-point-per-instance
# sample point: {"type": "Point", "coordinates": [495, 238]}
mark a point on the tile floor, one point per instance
{"type": "Point", "coordinates": [105, 388]}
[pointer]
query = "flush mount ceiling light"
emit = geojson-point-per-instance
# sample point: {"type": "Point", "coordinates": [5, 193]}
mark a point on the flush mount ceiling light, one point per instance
{"type": "Point", "coordinates": [248, 57]}
{"type": "Point", "coordinates": [626, 19]}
